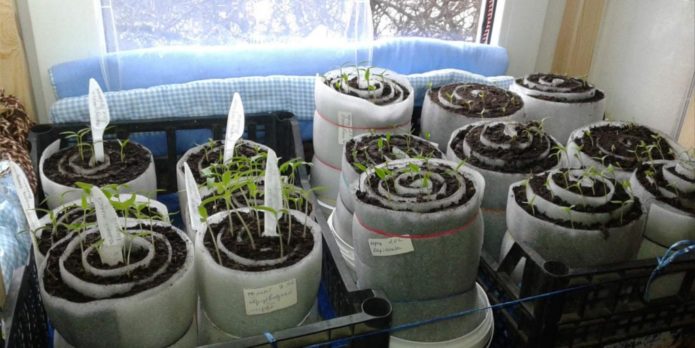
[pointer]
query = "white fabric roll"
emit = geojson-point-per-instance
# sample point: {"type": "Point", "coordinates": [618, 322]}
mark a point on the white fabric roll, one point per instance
{"type": "Point", "coordinates": [443, 244]}
{"type": "Point", "coordinates": [339, 116]}
{"type": "Point", "coordinates": [326, 177]}
{"type": "Point", "coordinates": [588, 243]}
{"type": "Point", "coordinates": [439, 122]}
{"type": "Point", "coordinates": [660, 204]}
{"type": "Point", "coordinates": [57, 194]}
{"type": "Point", "coordinates": [349, 175]}
{"type": "Point", "coordinates": [222, 290]}
{"type": "Point", "coordinates": [495, 199]}
{"type": "Point", "coordinates": [166, 309]}
{"type": "Point", "coordinates": [189, 339]}
{"type": "Point", "coordinates": [575, 104]}
{"type": "Point", "coordinates": [578, 158]}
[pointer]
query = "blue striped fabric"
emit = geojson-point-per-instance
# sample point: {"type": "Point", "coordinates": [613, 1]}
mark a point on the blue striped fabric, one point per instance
{"type": "Point", "coordinates": [260, 94]}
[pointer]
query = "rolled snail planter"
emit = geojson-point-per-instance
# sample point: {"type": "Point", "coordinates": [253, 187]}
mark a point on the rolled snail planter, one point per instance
{"type": "Point", "coordinates": [350, 103]}
{"type": "Point", "coordinates": [72, 212]}
{"type": "Point", "coordinates": [148, 302]}
{"type": "Point", "coordinates": [441, 219]}
{"type": "Point", "coordinates": [618, 144]}
{"type": "Point", "coordinates": [579, 220]}
{"type": "Point", "coordinates": [667, 190]}
{"type": "Point", "coordinates": [208, 157]}
{"type": "Point", "coordinates": [253, 291]}
{"type": "Point", "coordinates": [565, 103]}
{"type": "Point", "coordinates": [504, 153]}
{"type": "Point", "coordinates": [368, 150]}
{"type": "Point", "coordinates": [407, 228]}
{"type": "Point", "coordinates": [453, 106]}
{"type": "Point", "coordinates": [59, 169]}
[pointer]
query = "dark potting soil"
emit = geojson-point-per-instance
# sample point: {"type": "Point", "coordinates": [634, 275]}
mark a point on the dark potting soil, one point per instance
{"type": "Point", "coordinates": [451, 186]}
{"type": "Point", "coordinates": [537, 183]}
{"type": "Point", "coordinates": [658, 176]}
{"type": "Point", "coordinates": [238, 200]}
{"type": "Point", "coordinates": [135, 161]}
{"type": "Point", "coordinates": [516, 159]}
{"type": "Point", "coordinates": [625, 142]}
{"type": "Point", "coordinates": [578, 86]}
{"type": "Point", "coordinates": [209, 156]}
{"type": "Point", "coordinates": [367, 152]}
{"type": "Point", "coordinates": [301, 242]}
{"type": "Point", "coordinates": [496, 102]}
{"type": "Point", "coordinates": [353, 82]}
{"type": "Point", "coordinates": [75, 214]}
{"type": "Point", "coordinates": [598, 189]}
{"type": "Point", "coordinates": [55, 286]}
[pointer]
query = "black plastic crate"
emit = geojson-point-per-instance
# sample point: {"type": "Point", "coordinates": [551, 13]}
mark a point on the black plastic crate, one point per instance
{"type": "Point", "coordinates": [599, 306]}
{"type": "Point", "coordinates": [351, 311]}
{"type": "Point", "coordinates": [23, 316]}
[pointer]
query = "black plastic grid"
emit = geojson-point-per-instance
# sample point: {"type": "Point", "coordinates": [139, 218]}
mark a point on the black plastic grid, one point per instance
{"type": "Point", "coordinates": [607, 307]}
{"type": "Point", "coordinates": [357, 311]}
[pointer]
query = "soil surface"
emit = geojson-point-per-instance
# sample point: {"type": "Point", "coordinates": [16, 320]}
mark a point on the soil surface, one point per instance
{"type": "Point", "coordinates": [56, 287]}
{"type": "Point", "coordinates": [491, 101]}
{"type": "Point", "coordinates": [576, 85]}
{"type": "Point", "coordinates": [658, 176]}
{"type": "Point", "coordinates": [368, 153]}
{"type": "Point", "coordinates": [136, 160]}
{"type": "Point", "coordinates": [301, 241]}
{"type": "Point", "coordinates": [212, 157]}
{"type": "Point", "coordinates": [517, 160]}
{"type": "Point", "coordinates": [398, 96]}
{"type": "Point", "coordinates": [624, 142]}
{"type": "Point", "coordinates": [452, 186]}
{"type": "Point", "coordinates": [537, 183]}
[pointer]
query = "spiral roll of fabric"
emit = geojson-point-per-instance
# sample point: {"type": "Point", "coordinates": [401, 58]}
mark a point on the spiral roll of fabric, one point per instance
{"type": "Point", "coordinates": [577, 217]}
{"type": "Point", "coordinates": [453, 106]}
{"type": "Point", "coordinates": [95, 305]}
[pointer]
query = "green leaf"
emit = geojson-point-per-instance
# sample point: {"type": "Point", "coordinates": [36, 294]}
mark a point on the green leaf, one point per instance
{"type": "Point", "coordinates": [360, 166]}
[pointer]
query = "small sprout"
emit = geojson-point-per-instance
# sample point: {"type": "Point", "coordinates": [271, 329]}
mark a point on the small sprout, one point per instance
{"type": "Point", "coordinates": [122, 144]}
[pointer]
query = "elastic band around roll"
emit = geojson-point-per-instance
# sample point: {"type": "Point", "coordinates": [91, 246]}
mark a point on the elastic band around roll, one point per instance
{"type": "Point", "coordinates": [421, 236]}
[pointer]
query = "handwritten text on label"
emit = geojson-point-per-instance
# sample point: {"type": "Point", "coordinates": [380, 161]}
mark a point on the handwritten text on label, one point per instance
{"type": "Point", "coordinates": [390, 246]}
{"type": "Point", "coordinates": [271, 298]}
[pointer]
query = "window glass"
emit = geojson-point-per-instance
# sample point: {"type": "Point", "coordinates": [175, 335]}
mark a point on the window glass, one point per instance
{"type": "Point", "coordinates": [133, 24]}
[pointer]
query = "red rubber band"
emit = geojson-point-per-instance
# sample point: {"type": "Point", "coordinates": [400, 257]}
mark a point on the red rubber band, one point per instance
{"type": "Point", "coordinates": [327, 164]}
{"type": "Point", "coordinates": [421, 236]}
{"type": "Point", "coordinates": [360, 128]}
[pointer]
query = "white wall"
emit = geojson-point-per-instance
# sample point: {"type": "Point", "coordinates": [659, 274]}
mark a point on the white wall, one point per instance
{"type": "Point", "coordinates": [528, 29]}
{"type": "Point", "coordinates": [645, 61]}
{"type": "Point", "coordinates": [55, 32]}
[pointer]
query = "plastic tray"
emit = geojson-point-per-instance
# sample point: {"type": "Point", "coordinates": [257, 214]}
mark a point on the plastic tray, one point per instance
{"type": "Point", "coordinates": [347, 310]}
{"type": "Point", "coordinates": [607, 306]}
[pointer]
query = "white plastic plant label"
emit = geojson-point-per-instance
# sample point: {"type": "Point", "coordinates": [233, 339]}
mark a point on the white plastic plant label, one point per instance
{"type": "Point", "coordinates": [270, 298]}
{"type": "Point", "coordinates": [272, 192]}
{"type": "Point", "coordinates": [390, 246]}
{"type": "Point", "coordinates": [235, 127]}
{"type": "Point", "coordinates": [345, 129]}
{"type": "Point", "coordinates": [99, 118]}
{"type": "Point", "coordinates": [193, 195]}
{"type": "Point", "coordinates": [111, 250]}
{"type": "Point", "coordinates": [26, 197]}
